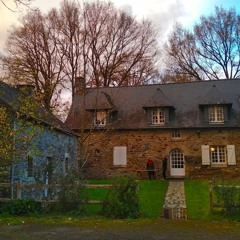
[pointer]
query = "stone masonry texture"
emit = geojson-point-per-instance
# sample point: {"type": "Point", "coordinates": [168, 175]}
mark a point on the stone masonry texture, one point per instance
{"type": "Point", "coordinates": [155, 144]}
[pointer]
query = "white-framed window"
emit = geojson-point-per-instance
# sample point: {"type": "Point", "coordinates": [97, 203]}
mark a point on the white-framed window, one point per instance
{"type": "Point", "coordinates": [158, 116]}
{"type": "Point", "coordinates": [216, 114]}
{"type": "Point", "coordinates": [176, 134]}
{"type": "Point", "coordinates": [120, 156]}
{"type": "Point", "coordinates": [218, 154]}
{"type": "Point", "coordinates": [100, 118]}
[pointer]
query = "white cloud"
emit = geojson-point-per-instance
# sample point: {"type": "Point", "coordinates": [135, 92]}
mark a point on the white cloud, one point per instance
{"type": "Point", "coordinates": [164, 13]}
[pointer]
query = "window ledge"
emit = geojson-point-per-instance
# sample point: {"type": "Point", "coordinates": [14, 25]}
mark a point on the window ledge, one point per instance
{"type": "Point", "coordinates": [218, 165]}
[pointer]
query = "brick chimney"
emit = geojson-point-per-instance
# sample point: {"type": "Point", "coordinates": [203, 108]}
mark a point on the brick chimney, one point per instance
{"type": "Point", "coordinates": [80, 85]}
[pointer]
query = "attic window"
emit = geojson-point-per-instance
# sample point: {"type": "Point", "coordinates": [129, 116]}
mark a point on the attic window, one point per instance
{"type": "Point", "coordinates": [100, 118]}
{"type": "Point", "coordinates": [216, 114]}
{"type": "Point", "coordinates": [158, 116]}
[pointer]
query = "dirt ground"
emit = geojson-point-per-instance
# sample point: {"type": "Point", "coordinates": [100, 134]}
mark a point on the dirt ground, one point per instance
{"type": "Point", "coordinates": [148, 230]}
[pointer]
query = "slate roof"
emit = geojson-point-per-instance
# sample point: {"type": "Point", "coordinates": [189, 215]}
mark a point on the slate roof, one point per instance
{"type": "Point", "coordinates": [186, 101]}
{"type": "Point", "coordinates": [9, 97]}
{"type": "Point", "coordinates": [214, 96]}
{"type": "Point", "coordinates": [101, 102]}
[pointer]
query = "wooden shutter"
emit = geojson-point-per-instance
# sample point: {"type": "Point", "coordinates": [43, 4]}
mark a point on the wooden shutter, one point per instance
{"type": "Point", "coordinates": [231, 155]}
{"type": "Point", "coordinates": [120, 156]}
{"type": "Point", "coordinates": [205, 155]}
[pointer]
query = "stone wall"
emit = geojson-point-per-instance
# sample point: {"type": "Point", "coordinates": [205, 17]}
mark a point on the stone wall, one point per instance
{"type": "Point", "coordinates": [155, 144]}
{"type": "Point", "coordinates": [49, 144]}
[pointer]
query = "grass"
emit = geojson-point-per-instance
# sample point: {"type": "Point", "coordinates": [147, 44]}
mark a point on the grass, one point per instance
{"type": "Point", "coordinates": [151, 199]}
{"type": "Point", "coordinates": [96, 194]}
{"type": "Point", "coordinates": [152, 195]}
{"type": "Point", "coordinates": [198, 202]}
{"type": "Point", "coordinates": [197, 199]}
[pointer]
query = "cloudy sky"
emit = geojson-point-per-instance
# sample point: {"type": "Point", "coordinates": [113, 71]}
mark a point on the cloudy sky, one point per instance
{"type": "Point", "coordinates": [164, 13]}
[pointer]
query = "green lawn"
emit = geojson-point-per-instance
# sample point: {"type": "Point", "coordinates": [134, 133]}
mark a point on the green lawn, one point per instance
{"type": "Point", "coordinates": [151, 197]}
{"type": "Point", "coordinates": [198, 202]}
{"type": "Point", "coordinates": [197, 199]}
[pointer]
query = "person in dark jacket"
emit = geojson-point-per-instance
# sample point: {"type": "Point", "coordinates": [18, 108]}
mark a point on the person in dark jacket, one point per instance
{"type": "Point", "coordinates": [150, 168]}
{"type": "Point", "coordinates": [164, 167]}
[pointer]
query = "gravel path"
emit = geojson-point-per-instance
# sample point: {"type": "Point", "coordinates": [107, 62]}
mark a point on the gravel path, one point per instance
{"type": "Point", "coordinates": [123, 230]}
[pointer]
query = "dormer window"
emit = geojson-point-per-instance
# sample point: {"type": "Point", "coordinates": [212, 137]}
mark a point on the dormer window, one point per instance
{"type": "Point", "coordinates": [100, 118]}
{"type": "Point", "coordinates": [216, 114]}
{"type": "Point", "coordinates": [158, 116]}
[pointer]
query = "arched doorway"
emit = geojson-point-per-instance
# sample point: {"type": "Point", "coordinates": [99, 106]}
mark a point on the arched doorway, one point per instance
{"type": "Point", "coordinates": [177, 163]}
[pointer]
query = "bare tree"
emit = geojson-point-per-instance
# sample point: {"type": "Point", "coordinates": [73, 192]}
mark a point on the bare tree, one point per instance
{"type": "Point", "coordinates": [119, 50]}
{"type": "Point", "coordinates": [71, 40]}
{"type": "Point", "coordinates": [211, 51]}
{"type": "Point", "coordinates": [34, 57]}
{"type": "Point", "coordinates": [94, 40]}
{"type": "Point", "coordinates": [106, 46]}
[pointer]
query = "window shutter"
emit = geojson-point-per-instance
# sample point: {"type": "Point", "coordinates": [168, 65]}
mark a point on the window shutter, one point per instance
{"type": "Point", "coordinates": [231, 155]}
{"type": "Point", "coordinates": [206, 117]}
{"type": "Point", "coordinates": [167, 118]}
{"type": "Point", "coordinates": [225, 112]}
{"type": "Point", "coordinates": [205, 155]}
{"type": "Point", "coordinates": [120, 156]}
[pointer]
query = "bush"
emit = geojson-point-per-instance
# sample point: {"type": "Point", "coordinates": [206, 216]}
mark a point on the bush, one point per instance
{"type": "Point", "coordinates": [228, 196]}
{"type": "Point", "coordinates": [21, 207]}
{"type": "Point", "coordinates": [71, 195]}
{"type": "Point", "coordinates": [122, 200]}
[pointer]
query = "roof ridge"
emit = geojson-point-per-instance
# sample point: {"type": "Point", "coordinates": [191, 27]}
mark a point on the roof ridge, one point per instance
{"type": "Point", "coordinates": [165, 84]}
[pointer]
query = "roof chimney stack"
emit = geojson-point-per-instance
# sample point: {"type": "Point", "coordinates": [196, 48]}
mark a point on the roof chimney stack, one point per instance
{"type": "Point", "coordinates": [80, 85]}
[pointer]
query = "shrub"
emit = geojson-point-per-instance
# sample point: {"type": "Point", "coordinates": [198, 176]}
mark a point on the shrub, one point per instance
{"type": "Point", "coordinates": [21, 207]}
{"type": "Point", "coordinates": [228, 196]}
{"type": "Point", "coordinates": [71, 195]}
{"type": "Point", "coordinates": [122, 200]}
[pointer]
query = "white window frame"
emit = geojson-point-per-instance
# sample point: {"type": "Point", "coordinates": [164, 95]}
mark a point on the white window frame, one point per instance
{"type": "Point", "coordinates": [218, 154]}
{"type": "Point", "coordinates": [176, 134]}
{"type": "Point", "coordinates": [100, 118]}
{"type": "Point", "coordinates": [229, 151]}
{"type": "Point", "coordinates": [120, 156]}
{"type": "Point", "coordinates": [158, 116]}
{"type": "Point", "coordinates": [216, 114]}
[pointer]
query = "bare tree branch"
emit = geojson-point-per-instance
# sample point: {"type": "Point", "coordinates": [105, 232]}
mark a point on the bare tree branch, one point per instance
{"type": "Point", "coordinates": [18, 3]}
{"type": "Point", "coordinates": [94, 40]}
{"type": "Point", "coordinates": [211, 51]}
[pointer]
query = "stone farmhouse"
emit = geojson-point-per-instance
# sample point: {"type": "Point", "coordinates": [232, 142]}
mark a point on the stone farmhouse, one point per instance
{"type": "Point", "coordinates": [54, 144]}
{"type": "Point", "coordinates": [196, 124]}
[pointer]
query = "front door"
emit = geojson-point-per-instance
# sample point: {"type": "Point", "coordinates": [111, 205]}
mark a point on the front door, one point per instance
{"type": "Point", "coordinates": [177, 163]}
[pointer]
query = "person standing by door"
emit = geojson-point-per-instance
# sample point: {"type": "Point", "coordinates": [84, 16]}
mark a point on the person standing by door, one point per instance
{"type": "Point", "coordinates": [164, 167]}
{"type": "Point", "coordinates": [150, 168]}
